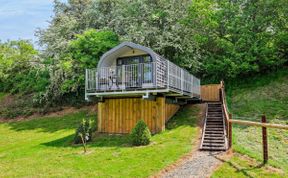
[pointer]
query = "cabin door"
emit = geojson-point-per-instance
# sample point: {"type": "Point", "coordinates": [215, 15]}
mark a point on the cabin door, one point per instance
{"type": "Point", "coordinates": [138, 71]}
{"type": "Point", "coordinates": [132, 71]}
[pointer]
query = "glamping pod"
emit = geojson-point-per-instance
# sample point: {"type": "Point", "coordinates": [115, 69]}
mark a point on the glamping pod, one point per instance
{"type": "Point", "coordinates": [132, 82]}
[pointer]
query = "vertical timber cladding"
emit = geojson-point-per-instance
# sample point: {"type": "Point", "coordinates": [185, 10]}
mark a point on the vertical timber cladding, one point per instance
{"type": "Point", "coordinates": [119, 115]}
{"type": "Point", "coordinates": [210, 92]}
{"type": "Point", "coordinates": [170, 110]}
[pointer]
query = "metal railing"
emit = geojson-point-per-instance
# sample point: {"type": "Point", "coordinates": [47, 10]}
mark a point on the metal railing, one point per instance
{"type": "Point", "coordinates": [125, 77]}
{"type": "Point", "coordinates": [161, 74]}
{"type": "Point", "coordinates": [182, 81]}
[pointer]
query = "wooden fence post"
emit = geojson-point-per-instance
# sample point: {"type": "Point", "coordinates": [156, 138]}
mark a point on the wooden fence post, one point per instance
{"type": "Point", "coordinates": [230, 131]}
{"type": "Point", "coordinates": [264, 141]}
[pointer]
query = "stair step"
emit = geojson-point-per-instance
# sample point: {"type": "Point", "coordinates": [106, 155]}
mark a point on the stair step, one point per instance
{"type": "Point", "coordinates": [214, 104]}
{"type": "Point", "coordinates": [214, 132]}
{"type": "Point", "coordinates": [214, 122]}
{"type": "Point", "coordinates": [213, 149]}
{"type": "Point", "coordinates": [211, 120]}
{"type": "Point", "coordinates": [219, 122]}
{"type": "Point", "coordinates": [214, 119]}
{"type": "Point", "coordinates": [213, 135]}
{"type": "Point", "coordinates": [209, 141]}
{"type": "Point", "coordinates": [212, 129]}
{"type": "Point", "coordinates": [214, 115]}
{"type": "Point", "coordinates": [214, 126]}
{"type": "Point", "coordinates": [209, 127]}
{"type": "Point", "coordinates": [213, 144]}
{"type": "Point", "coordinates": [213, 138]}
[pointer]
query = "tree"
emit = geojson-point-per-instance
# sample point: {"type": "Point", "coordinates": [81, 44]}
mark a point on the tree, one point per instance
{"type": "Point", "coordinates": [155, 24]}
{"type": "Point", "coordinates": [88, 47]}
{"type": "Point", "coordinates": [238, 38]}
{"type": "Point", "coordinates": [20, 68]}
{"type": "Point", "coordinates": [83, 52]}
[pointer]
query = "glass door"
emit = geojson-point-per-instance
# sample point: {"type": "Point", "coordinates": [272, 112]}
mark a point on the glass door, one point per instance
{"type": "Point", "coordinates": [138, 70]}
{"type": "Point", "coordinates": [147, 70]}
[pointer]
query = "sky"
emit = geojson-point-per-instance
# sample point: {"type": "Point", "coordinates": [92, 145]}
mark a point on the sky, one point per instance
{"type": "Point", "coordinates": [20, 18]}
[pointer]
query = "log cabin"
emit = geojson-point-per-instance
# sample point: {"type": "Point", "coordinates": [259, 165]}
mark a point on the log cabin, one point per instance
{"type": "Point", "coordinates": [132, 82]}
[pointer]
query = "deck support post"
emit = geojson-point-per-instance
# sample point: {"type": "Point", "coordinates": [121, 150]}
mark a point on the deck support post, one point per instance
{"type": "Point", "coordinates": [161, 114]}
{"type": "Point", "coordinates": [230, 132]}
{"type": "Point", "coordinates": [264, 141]}
{"type": "Point", "coordinates": [100, 109]}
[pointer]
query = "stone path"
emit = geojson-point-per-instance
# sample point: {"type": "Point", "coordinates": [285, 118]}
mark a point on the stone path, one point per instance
{"type": "Point", "coordinates": [199, 164]}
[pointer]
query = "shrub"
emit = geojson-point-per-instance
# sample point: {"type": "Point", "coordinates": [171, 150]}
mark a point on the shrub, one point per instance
{"type": "Point", "coordinates": [85, 129]}
{"type": "Point", "coordinates": [140, 134]}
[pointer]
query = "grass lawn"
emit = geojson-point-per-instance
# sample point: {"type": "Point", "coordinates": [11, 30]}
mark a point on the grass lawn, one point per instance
{"type": "Point", "coordinates": [249, 100]}
{"type": "Point", "coordinates": [243, 166]}
{"type": "Point", "coordinates": [42, 148]}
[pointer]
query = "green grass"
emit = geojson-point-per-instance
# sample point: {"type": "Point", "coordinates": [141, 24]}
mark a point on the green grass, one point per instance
{"type": "Point", "coordinates": [241, 166]}
{"type": "Point", "coordinates": [249, 99]}
{"type": "Point", "coordinates": [42, 148]}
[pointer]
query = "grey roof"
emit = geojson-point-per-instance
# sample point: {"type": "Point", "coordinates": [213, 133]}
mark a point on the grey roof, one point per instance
{"type": "Point", "coordinates": [130, 45]}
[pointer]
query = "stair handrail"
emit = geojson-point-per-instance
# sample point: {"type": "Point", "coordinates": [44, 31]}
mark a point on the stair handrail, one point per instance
{"type": "Point", "coordinates": [225, 107]}
{"type": "Point", "coordinates": [204, 126]}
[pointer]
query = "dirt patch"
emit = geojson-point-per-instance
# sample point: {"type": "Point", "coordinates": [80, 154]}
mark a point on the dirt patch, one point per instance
{"type": "Point", "coordinates": [6, 100]}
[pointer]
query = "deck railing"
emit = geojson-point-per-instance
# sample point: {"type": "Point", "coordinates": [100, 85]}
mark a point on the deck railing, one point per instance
{"type": "Point", "coordinates": [155, 75]}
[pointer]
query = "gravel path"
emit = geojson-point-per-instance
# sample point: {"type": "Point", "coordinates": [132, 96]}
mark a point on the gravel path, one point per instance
{"type": "Point", "coordinates": [200, 164]}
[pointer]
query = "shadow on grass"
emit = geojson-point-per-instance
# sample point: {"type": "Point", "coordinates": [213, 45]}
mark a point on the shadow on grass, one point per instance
{"type": "Point", "coordinates": [244, 171]}
{"type": "Point", "coordinates": [100, 140]}
{"type": "Point", "coordinates": [187, 116]}
{"type": "Point", "coordinates": [50, 124]}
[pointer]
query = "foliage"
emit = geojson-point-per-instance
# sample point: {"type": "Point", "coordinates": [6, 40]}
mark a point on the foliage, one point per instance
{"type": "Point", "coordinates": [140, 134]}
{"type": "Point", "coordinates": [84, 52]}
{"type": "Point", "coordinates": [84, 131]}
{"type": "Point", "coordinates": [239, 38]}
{"type": "Point", "coordinates": [88, 47]}
{"type": "Point", "coordinates": [46, 143]}
{"type": "Point", "coordinates": [20, 70]}
{"type": "Point", "coordinates": [212, 39]}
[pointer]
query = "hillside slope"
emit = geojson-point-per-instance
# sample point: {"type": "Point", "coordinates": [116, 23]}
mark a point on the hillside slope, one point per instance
{"type": "Point", "coordinates": [253, 97]}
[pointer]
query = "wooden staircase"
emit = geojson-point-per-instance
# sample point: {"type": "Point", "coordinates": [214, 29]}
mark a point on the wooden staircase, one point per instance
{"type": "Point", "coordinates": [214, 133]}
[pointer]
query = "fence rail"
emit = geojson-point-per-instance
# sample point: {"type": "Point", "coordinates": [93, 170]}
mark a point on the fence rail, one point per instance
{"type": "Point", "coordinates": [229, 121]}
{"type": "Point", "coordinates": [258, 124]}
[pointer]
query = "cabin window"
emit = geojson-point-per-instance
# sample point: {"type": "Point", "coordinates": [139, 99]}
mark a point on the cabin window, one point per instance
{"type": "Point", "coordinates": [139, 69]}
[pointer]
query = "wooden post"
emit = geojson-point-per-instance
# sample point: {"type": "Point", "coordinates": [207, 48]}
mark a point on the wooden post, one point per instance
{"type": "Point", "coordinates": [264, 140]}
{"type": "Point", "coordinates": [100, 106]}
{"type": "Point", "coordinates": [230, 131]}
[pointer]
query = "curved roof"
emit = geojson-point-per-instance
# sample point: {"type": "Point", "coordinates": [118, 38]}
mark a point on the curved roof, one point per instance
{"type": "Point", "coordinates": [120, 49]}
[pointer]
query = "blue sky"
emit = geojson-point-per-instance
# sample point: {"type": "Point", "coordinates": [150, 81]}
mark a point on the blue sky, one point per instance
{"type": "Point", "coordinates": [20, 18]}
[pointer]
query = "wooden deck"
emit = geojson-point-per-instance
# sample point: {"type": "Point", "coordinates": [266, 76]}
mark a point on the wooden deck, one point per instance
{"type": "Point", "coordinates": [162, 76]}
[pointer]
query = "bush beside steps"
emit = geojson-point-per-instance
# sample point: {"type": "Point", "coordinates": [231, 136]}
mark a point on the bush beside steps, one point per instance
{"type": "Point", "coordinates": [140, 134]}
